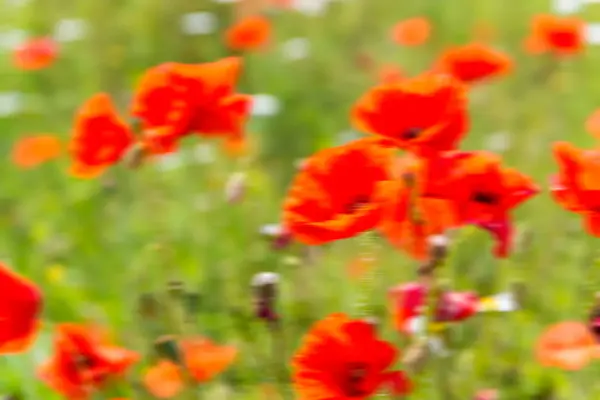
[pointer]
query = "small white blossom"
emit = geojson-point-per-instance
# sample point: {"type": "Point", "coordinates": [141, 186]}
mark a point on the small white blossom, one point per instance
{"type": "Point", "coordinates": [198, 23]}
{"type": "Point", "coordinates": [265, 278]}
{"type": "Point", "coordinates": [70, 30]}
{"type": "Point", "coordinates": [265, 105]}
{"type": "Point", "coordinates": [296, 48]}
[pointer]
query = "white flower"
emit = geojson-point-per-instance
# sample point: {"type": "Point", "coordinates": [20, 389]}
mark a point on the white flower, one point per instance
{"type": "Point", "coordinates": [204, 154]}
{"type": "Point", "coordinates": [310, 7]}
{"type": "Point", "coordinates": [498, 142]}
{"type": "Point", "coordinates": [438, 241]}
{"type": "Point", "coordinates": [235, 187]}
{"type": "Point", "coordinates": [272, 230]}
{"type": "Point", "coordinates": [265, 105]}
{"type": "Point", "coordinates": [296, 48]}
{"type": "Point", "coordinates": [198, 23]}
{"type": "Point", "coordinates": [567, 6]}
{"type": "Point", "coordinates": [12, 39]}
{"type": "Point", "coordinates": [69, 30]}
{"type": "Point", "coordinates": [169, 162]}
{"type": "Point", "coordinates": [10, 103]}
{"type": "Point", "coordinates": [592, 33]}
{"type": "Point", "coordinates": [265, 278]}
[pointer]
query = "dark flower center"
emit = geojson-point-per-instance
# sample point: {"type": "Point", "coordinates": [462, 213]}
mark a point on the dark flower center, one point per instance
{"type": "Point", "coordinates": [83, 361]}
{"type": "Point", "coordinates": [485, 198]}
{"type": "Point", "coordinates": [356, 374]}
{"type": "Point", "coordinates": [411, 133]}
{"type": "Point", "coordinates": [356, 203]}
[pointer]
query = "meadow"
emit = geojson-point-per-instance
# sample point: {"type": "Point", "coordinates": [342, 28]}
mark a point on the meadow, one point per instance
{"type": "Point", "coordinates": [124, 249]}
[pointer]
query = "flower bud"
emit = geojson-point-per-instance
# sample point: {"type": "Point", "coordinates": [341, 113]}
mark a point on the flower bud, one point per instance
{"type": "Point", "coordinates": [264, 285]}
{"type": "Point", "coordinates": [235, 188]}
{"type": "Point", "coordinates": [167, 347]}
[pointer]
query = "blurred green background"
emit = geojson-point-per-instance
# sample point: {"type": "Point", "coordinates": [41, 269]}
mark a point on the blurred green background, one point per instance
{"type": "Point", "coordinates": [96, 246]}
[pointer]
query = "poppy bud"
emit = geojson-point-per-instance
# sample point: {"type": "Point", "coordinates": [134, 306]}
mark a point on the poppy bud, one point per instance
{"type": "Point", "coordinates": [235, 187]}
{"type": "Point", "coordinates": [264, 285]}
{"type": "Point", "coordinates": [594, 318]}
{"type": "Point", "coordinates": [168, 348]}
{"type": "Point", "coordinates": [438, 247]}
{"type": "Point", "coordinates": [280, 237]}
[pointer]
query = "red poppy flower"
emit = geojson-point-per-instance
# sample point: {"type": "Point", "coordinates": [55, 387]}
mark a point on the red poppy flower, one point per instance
{"type": "Point", "coordinates": [576, 187]}
{"type": "Point", "coordinates": [249, 33]}
{"type": "Point", "coordinates": [173, 100]}
{"type": "Point", "coordinates": [343, 359]}
{"type": "Point", "coordinates": [474, 62]}
{"type": "Point", "coordinates": [332, 197]}
{"type": "Point", "coordinates": [556, 34]}
{"type": "Point", "coordinates": [409, 219]}
{"type": "Point", "coordinates": [424, 114]}
{"type": "Point", "coordinates": [567, 345]}
{"type": "Point", "coordinates": [35, 54]}
{"type": "Point", "coordinates": [203, 361]}
{"type": "Point", "coordinates": [485, 192]}
{"type": "Point", "coordinates": [390, 73]}
{"type": "Point", "coordinates": [20, 306]}
{"type": "Point", "coordinates": [83, 361]}
{"type": "Point", "coordinates": [31, 151]}
{"type": "Point", "coordinates": [411, 32]}
{"type": "Point", "coordinates": [100, 137]}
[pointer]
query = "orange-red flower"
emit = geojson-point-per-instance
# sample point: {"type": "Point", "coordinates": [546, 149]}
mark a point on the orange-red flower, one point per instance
{"type": "Point", "coordinates": [332, 197]}
{"type": "Point", "coordinates": [567, 345]}
{"type": "Point", "coordinates": [173, 100]}
{"type": "Point", "coordinates": [576, 187]}
{"type": "Point", "coordinates": [485, 192]}
{"type": "Point", "coordinates": [592, 124]}
{"type": "Point", "coordinates": [474, 62]}
{"type": "Point", "coordinates": [342, 359]}
{"type": "Point", "coordinates": [409, 217]}
{"type": "Point", "coordinates": [556, 34]}
{"type": "Point", "coordinates": [84, 360]}
{"type": "Point", "coordinates": [35, 54]}
{"type": "Point", "coordinates": [424, 114]}
{"type": "Point", "coordinates": [20, 305]}
{"type": "Point", "coordinates": [249, 33]}
{"type": "Point", "coordinates": [411, 32]}
{"type": "Point", "coordinates": [100, 137]}
{"type": "Point", "coordinates": [31, 151]}
{"type": "Point", "coordinates": [203, 360]}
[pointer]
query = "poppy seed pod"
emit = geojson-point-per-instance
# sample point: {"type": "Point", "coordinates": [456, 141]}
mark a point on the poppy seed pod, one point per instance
{"type": "Point", "coordinates": [264, 285]}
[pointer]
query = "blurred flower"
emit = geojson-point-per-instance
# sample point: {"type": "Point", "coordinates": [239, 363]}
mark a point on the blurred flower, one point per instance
{"type": "Point", "coordinates": [411, 32]}
{"type": "Point", "coordinates": [433, 118]}
{"type": "Point", "coordinates": [198, 23]}
{"type": "Point", "coordinates": [265, 105]}
{"type": "Point", "coordinates": [20, 306]}
{"type": "Point", "coordinates": [296, 48]}
{"type": "Point", "coordinates": [265, 295]}
{"type": "Point", "coordinates": [169, 162]}
{"type": "Point", "coordinates": [10, 103]}
{"type": "Point", "coordinates": [561, 36]}
{"type": "Point", "coordinates": [332, 197]}
{"type": "Point", "coordinates": [202, 359]}
{"type": "Point", "coordinates": [567, 345]}
{"type": "Point", "coordinates": [13, 38]}
{"type": "Point", "coordinates": [575, 187]}
{"type": "Point", "coordinates": [567, 6]}
{"type": "Point", "coordinates": [474, 62]}
{"type": "Point", "coordinates": [279, 235]}
{"type": "Point", "coordinates": [342, 358]}
{"type": "Point", "coordinates": [592, 33]}
{"type": "Point", "coordinates": [390, 73]}
{"type": "Point", "coordinates": [174, 100]}
{"type": "Point", "coordinates": [70, 30]}
{"type": "Point", "coordinates": [486, 394]}
{"type": "Point", "coordinates": [84, 361]}
{"type": "Point", "coordinates": [592, 124]}
{"type": "Point", "coordinates": [235, 187]}
{"type": "Point", "coordinates": [310, 7]}
{"type": "Point", "coordinates": [249, 33]}
{"type": "Point", "coordinates": [100, 137]}
{"type": "Point", "coordinates": [31, 151]}
{"type": "Point", "coordinates": [204, 154]}
{"type": "Point", "coordinates": [35, 54]}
